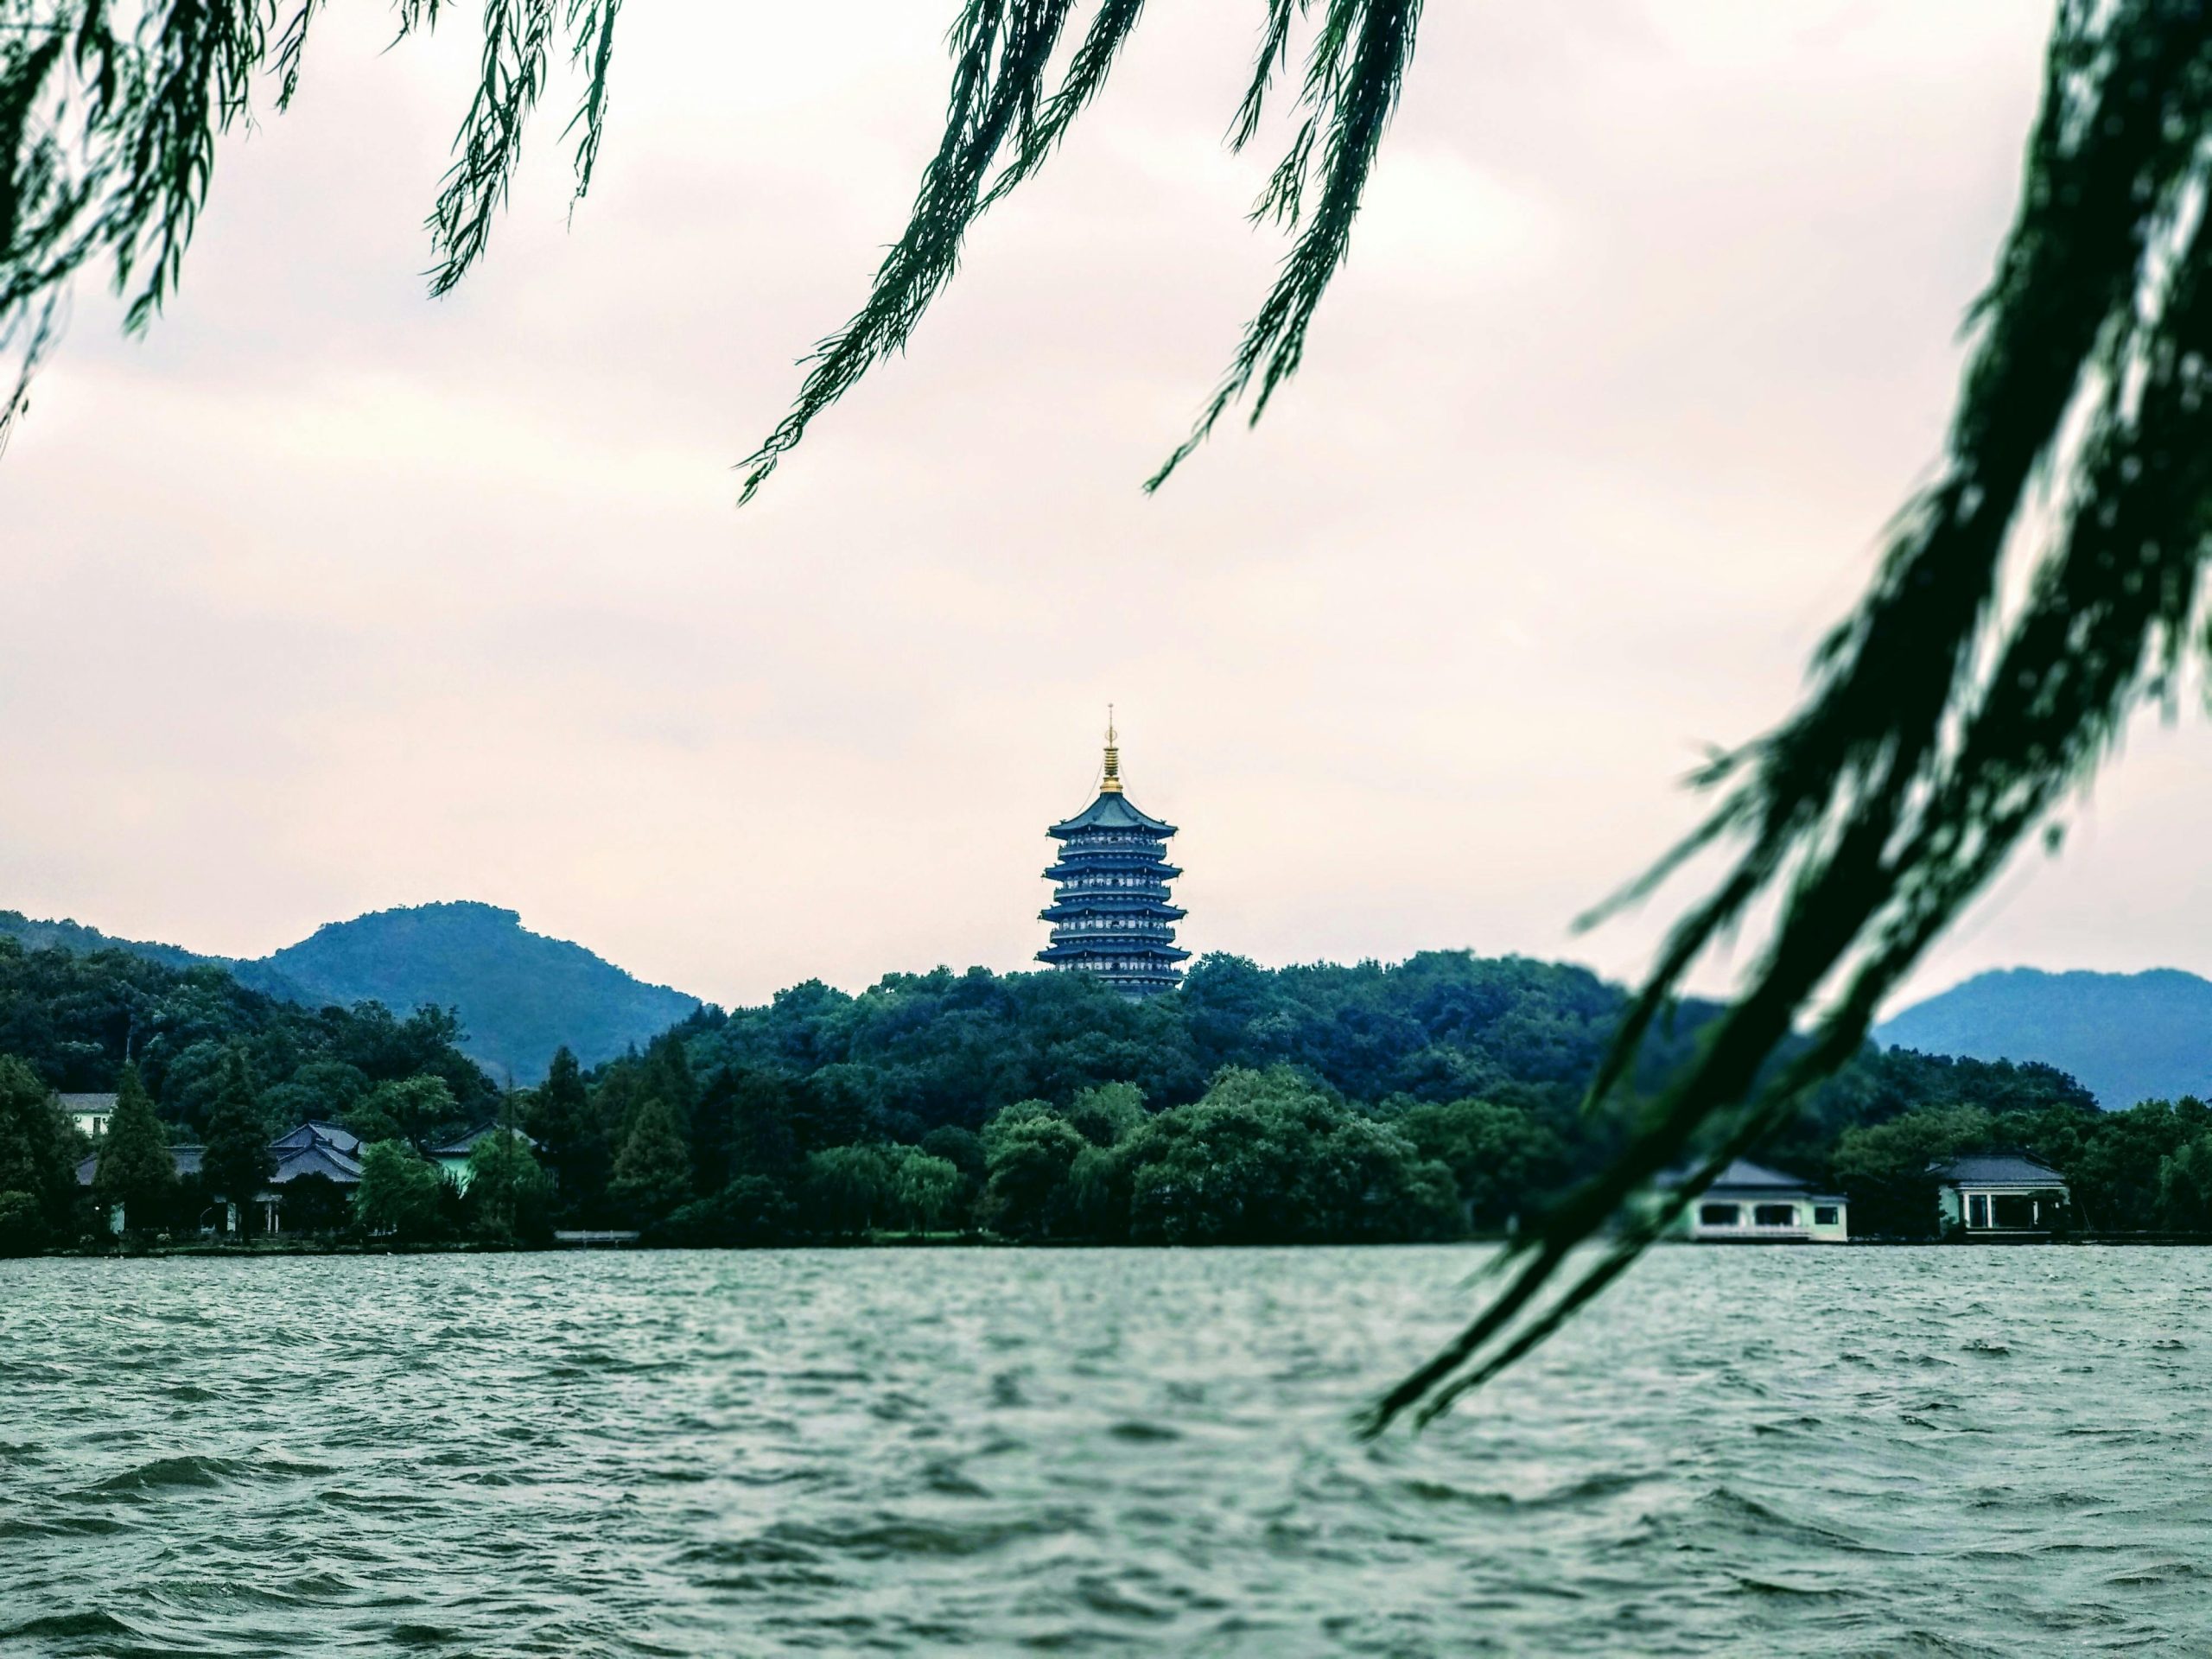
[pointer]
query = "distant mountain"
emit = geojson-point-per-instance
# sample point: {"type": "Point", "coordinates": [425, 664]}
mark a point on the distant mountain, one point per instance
{"type": "Point", "coordinates": [521, 995]}
{"type": "Point", "coordinates": [2126, 1037]}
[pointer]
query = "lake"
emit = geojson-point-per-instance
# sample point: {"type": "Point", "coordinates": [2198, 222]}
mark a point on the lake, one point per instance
{"type": "Point", "coordinates": [1798, 1451]}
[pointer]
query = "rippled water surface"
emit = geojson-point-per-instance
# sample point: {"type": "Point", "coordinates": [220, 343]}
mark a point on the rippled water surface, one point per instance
{"type": "Point", "coordinates": [1783, 1452]}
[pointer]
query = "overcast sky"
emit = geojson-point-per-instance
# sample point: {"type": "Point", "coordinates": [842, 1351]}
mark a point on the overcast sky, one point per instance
{"type": "Point", "coordinates": [326, 597]}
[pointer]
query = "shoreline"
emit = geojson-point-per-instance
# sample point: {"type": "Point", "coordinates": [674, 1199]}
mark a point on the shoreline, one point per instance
{"type": "Point", "coordinates": [264, 1251]}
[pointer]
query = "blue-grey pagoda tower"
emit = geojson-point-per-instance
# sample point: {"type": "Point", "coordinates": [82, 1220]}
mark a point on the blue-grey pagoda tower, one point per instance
{"type": "Point", "coordinates": [1109, 912]}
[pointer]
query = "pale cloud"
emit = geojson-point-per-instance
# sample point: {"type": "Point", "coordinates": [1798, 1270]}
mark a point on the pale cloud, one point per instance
{"type": "Point", "coordinates": [326, 597]}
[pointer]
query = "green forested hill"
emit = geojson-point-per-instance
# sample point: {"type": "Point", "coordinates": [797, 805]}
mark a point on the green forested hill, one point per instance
{"type": "Point", "coordinates": [2127, 1037]}
{"type": "Point", "coordinates": [79, 940]}
{"type": "Point", "coordinates": [919, 1049]}
{"type": "Point", "coordinates": [73, 1017]}
{"type": "Point", "coordinates": [520, 995]}
{"type": "Point", "coordinates": [1255, 1105]}
{"type": "Point", "coordinates": [1410, 1100]}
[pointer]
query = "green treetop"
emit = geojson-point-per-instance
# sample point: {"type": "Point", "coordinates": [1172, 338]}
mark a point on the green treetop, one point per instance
{"type": "Point", "coordinates": [1270, 1157]}
{"type": "Point", "coordinates": [1029, 1152]}
{"type": "Point", "coordinates": [576, 1146]}
{"type": "Point", "coordinates": [509, 1195]}
{"type": "Point", "coordinates": [135, 1169]}
{"type": "Point", "coordinates": [414, 1109]}
{"type": "Point", "coordinates": [928, 1189]}
{"type": "Point", "coordinates": [847, 1190]}
{"type": "Point", "coordinates": [236, 1163]}
{"type": "Point", "coordinates": [652, 1172]}
{"type": "Point", "coordinates": [37, 1178]}
{"type": "Point", "coordinates": [399, 1193]}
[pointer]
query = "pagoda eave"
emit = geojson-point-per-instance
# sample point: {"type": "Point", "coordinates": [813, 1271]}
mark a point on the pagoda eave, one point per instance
{"type": "Point", "coordinates": [1163, 914]}
{"type": "Point", "coordinates": [1158, 952]}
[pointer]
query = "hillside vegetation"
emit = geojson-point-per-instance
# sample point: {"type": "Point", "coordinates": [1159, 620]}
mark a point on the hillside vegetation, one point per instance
{"type": "Point", "coordinates": [518, 995]}
{"type": "Point", "coordinates": [2127, 1037]}
{"type": "Point", "coordinates": [1425, 1099]}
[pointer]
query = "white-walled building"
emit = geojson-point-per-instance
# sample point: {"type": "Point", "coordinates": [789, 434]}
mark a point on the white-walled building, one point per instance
{"type": "Point", "coordinates": [90, 1113]}
{"type": "Point", "coordinates": [1750, 1204]}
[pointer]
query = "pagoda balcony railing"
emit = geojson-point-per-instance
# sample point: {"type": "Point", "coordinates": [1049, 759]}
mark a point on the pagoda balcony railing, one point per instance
{"type": "Point", "coordinates": [1079, 916]}
{"type": "Point", "coordinates": [1079, 932]}
{"type": "Point", "coordinates": [1144, 875]}
{"type": "Point", "coordinates": [1126, 969]}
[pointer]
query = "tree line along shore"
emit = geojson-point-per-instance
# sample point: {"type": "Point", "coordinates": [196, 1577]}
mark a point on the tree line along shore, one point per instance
{"type": "Point", "coordinates": [1437, 1099]}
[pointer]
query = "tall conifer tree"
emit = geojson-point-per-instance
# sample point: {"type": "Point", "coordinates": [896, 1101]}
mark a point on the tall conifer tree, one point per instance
{"type": "Point", "coordinates": [576, 1146]}
{"type": "Point", "coordinates": [37, 1182]}
{"type": "Point", "coordinates": [713, 1126]}
{"type": "Point", "coordinates": [237, 1163]}
{"type": "Point", "coordinates": [652, 1175]}
{"type": "Point", "coordinates": [668, 1074]}
{"type": "Point", "coordinates": [135, 1169]}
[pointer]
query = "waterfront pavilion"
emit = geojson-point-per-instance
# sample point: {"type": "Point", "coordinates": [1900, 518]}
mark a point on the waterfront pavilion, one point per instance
{"type": "Point", "coordinates": [2001, 1196]}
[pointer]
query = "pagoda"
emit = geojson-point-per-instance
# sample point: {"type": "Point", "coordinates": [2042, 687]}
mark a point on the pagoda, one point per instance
{"type": "Point", "coordinates": [1109, 912]}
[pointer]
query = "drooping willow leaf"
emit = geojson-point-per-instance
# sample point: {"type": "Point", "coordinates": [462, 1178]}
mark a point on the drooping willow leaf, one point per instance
{"type": "Point", "coordinates": [1003, 51]}
{"type": "Point", "coordinates": [111, 111]}
{"type": "Point", "coordinates": [1945, 725]}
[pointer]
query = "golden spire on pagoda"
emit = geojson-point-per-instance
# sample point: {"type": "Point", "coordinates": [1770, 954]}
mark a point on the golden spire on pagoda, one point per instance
{"type": "Point", "coordinates": [1111, 785]}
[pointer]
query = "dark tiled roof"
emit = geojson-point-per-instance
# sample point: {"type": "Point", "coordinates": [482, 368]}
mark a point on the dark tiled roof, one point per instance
{"type": "Point", "coordinates": [1743, 1172]}
{"type": "Point", "coordinates": [1109, 811]}
{"type": "Point", "coordinates": [309, 1134]}
{"type": "Point", "coordinates": [2000, 1169]}
{"type": "Point", "coordinates": [186, 1159]}
{"type": "Point", "coordinates": [86, 1103]}
{"type": "Point", "coordinates": [317, 1160]}
{"type": "Point", "coordinates": [1744, 1175]}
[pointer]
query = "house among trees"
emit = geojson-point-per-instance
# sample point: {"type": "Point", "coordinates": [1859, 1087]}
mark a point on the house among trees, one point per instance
{"type": "Point", "coordinates": [186, 1159]}
{"type": "Point", "coordinates": [315, 1159]}
{"type": "Point", "coordinates": [453, 1157]}
{"type": "Point", "coordinates": [90, 1113]}
{"type": "Point", "coordinates": [2001, 1196]}
{"type": "Point", "coordinates": [315, 1167]}
{"type": "Point", "coordinates": [316, 1148]}
{"type": "Point", "coordinates": [1750, 1204]}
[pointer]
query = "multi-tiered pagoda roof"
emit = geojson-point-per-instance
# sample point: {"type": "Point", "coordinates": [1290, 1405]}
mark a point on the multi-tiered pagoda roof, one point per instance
{"type": "Point", "coordinates": [1110, 913]}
